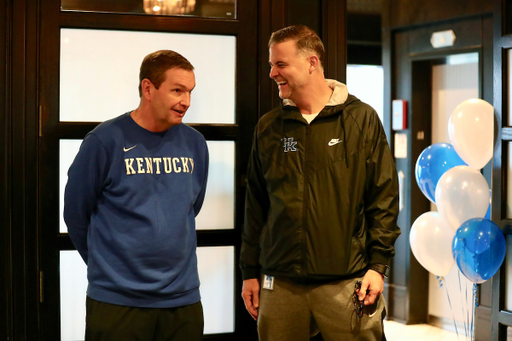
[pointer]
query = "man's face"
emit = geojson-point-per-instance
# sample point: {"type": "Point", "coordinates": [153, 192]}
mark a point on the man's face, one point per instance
{"type": "Point", "coordinates": [172, 99]}
{"type": "Point", "coordinates": [288, 69]}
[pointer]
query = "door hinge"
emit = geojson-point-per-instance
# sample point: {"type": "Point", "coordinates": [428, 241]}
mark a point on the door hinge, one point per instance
{"type": "Point", "coordinates": [41, 297]}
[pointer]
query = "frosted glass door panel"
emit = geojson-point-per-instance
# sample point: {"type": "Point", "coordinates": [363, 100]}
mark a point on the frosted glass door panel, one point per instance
{"type": "Point", "coordinates": [216, 267]}
{"type": "Point", "coordinates": [219, 203]}
{"type": "Point", "coordinates": [452, 83]}
{"type": "Point", "coordinates": [216, 273]}
{"type": "Point", "coordinates": [73, 288]}
{"type": "Point", "coordinates": [509, 89]}
{"type": "Point", "coordinates": [369, 92]}
{"type": "Point", "coordinates": [509, 182]}
{"type": "Point", "coordinates": [99, 73]}
{"type": "Point", "coordinates": [68, 151]}
{"type": "Point", "coordinates": [508, 276]}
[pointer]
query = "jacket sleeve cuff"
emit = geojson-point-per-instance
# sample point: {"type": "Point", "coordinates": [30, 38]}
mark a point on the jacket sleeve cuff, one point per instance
{"type": "Point", "coordinates": [248, 273]}
{"type": "Point", "coordinates": [380, 268]}
{"type": "Point", "coordinates": [379, 258]}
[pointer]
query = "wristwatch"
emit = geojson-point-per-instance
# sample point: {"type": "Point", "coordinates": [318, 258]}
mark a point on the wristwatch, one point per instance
{"type": "Point", "coordinates": [380, 268]}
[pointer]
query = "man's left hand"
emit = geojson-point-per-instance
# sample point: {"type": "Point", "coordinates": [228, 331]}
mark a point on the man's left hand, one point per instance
{"type": "Point", "coordinates": [374, 282]}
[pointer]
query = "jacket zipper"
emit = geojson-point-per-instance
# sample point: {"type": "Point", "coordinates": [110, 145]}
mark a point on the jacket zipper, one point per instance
{"type": "Point", "coordinates": [305, 202]}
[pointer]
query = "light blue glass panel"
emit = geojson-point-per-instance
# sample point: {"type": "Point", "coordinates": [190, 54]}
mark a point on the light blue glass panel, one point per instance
{"type": "Point", "coordinates": [99, 73]}
{"type": "Point", "coordinates": [366, 82]}
{"type": "Point", "coordinates": [68, 151]}
{"type": "Point", "coordinates": [464, 58]}
{"type": "Point", "coordinates": [216, 267]}
{"type": "Point", "coordinates": [508, 276]}
{"type": "Point", "coordinates": [73, 288]}
{"type": "Point", "coordinates": [508, 84]}
{"type": "Point", "coordinates": [219, 203]}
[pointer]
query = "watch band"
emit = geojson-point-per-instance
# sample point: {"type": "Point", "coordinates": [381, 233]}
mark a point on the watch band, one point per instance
{"type": "Point", "coordinates": [380, 268]}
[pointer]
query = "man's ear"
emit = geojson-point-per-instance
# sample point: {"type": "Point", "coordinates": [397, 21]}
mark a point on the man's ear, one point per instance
{"type": "Point", "coordinates": [314, 63]}
{"type": "Point", "coordinates": [147, 88]}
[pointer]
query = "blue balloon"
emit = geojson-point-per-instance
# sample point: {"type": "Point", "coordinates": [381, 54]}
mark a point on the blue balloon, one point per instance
{"type": "Point", "coordinates": [432, 163]}
{"type": "Point", "coordinates": [479, 249]}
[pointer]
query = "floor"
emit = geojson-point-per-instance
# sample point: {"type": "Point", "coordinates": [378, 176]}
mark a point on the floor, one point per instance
{"type": "Point", "coordinates": [418, 332]}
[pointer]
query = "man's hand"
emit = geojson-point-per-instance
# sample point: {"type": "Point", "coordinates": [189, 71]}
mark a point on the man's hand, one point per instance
{"type": "Point", "coordinates": [374, 282]}
{"type": "Point", "coordinates": [251, 296]}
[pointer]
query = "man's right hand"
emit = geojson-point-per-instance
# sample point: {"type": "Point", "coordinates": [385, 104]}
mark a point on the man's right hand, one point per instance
{"type": "Point", "coordinates": [251, 296]}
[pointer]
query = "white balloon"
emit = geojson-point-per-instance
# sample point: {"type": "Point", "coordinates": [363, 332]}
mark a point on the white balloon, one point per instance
{"type": "Point", "coordinates": [462, 193]}
{"type": "Point", "coordinates": [471, 132]}
{"type": "Point", "coordinates": [431, 243]}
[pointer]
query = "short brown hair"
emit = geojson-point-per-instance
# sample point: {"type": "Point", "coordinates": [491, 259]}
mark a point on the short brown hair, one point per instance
{"type": "Point", "coordinates": [155, 65]}
{"type": "Point", "coordinates": [305, 38]}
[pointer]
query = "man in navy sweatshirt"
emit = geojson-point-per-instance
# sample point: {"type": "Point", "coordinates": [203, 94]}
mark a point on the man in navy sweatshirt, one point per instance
{"type": "Point", "coordinates": [133, 192]}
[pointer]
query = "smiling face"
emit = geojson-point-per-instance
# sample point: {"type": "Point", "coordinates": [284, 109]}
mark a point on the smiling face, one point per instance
{"type": "Point", "coordinates": [171, 100]}
{"type": "Point", "coordinates": [289, 69]}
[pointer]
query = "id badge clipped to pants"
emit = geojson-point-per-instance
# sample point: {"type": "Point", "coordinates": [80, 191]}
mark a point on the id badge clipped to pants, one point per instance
{"type": "Point", "coordinates": [268, 282]}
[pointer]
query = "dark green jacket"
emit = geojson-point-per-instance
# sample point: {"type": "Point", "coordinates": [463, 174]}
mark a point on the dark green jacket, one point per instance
{"type": "Point", "coordinates": [322, 199]}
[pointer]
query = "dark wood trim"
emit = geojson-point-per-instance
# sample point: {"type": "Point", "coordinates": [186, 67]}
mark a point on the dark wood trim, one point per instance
{"type": "Point", "coordinates": [246, 118]}
{"type": "Point", "coordinates": [218, 238]}
{"type": "Point", "coordinates": [23, 163]}
{"type": "Point", "coordinates": [64, 243]}
{"type": "Point", "coordinates": [441, 21]}
{"type": "Point", "coordinates": [6, 289]}
{"type": "Point", "coordinates": [204, 238]}
{"type": "Point", "coordinates": [90, 20]}
{"type": "Point", "coordinates": [271, 19]}
{"type": "Point", "coordinates": [364, 54]}
{"type": "Point", "coordinates": [364, 39]}
{"type": "Point", "coordinates": [334, 36]}
{"type": "Point", "coordinates": [420, 120]}
{"type": "Point", "coordinates": [412, 13]}
{"type": "Point", "coordinates": [214, 132]}
{"type": "Point", "coordinates": [503, 134]}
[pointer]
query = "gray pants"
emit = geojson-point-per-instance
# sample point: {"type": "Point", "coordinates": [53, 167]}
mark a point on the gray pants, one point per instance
{"type": "Point", "coordinates": [294, 312]}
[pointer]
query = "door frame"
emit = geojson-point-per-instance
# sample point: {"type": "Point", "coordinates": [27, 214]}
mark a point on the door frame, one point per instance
{"type": "Point", "coordinates": [501, 319]}
{"type": "Point", "coordinates": [244, 28]}
{"type": "Point", "coordinates": [406, 54]}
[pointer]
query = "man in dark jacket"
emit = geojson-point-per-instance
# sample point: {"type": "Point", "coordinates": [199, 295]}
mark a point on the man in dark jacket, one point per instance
{"type": "Point", "coordinates": [321, 205]}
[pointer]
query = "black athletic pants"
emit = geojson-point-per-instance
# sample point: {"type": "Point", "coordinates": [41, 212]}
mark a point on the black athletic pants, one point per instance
{"type": "Point", "coordinates": [108, 322]}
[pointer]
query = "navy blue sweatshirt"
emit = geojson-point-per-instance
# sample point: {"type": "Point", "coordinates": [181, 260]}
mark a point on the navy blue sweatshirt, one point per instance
{"type": "Point", "coordinates": [130, 206]}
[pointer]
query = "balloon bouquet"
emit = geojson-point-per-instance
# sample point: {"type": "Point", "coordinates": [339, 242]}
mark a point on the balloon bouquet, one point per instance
{"type": "Point", "coordinates": [449, 176]}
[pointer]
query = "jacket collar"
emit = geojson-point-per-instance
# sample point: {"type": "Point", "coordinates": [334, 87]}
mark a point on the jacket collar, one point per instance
{"type": "Point", "coordinates": [339, 94]}
{"type": "Point", "coordinates": [338, 98]}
